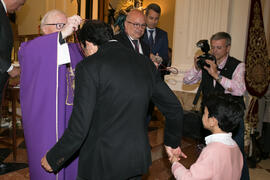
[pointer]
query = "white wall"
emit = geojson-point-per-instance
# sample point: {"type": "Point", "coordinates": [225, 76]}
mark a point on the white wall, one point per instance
{"type": "Point", "coordinates": [238, 27]}
{"type": "Point", "coordinates": [266, 20]}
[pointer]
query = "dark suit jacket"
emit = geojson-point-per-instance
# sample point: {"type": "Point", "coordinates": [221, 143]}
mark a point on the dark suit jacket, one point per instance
{"type": "Point", "coordinates": [160, 46]}
{"type": "Point", "coordinates": [6, 44]}
{"type": "Point", "coordinates": [113, 89]}
{"type": "Point", "coordinates": [123, 38]}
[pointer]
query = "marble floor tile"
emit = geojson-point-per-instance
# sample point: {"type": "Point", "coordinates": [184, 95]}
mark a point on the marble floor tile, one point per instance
{"type": "Point", "coordinates": [265, 164]}
{"type": "Point", "coordinates": [259, 174]}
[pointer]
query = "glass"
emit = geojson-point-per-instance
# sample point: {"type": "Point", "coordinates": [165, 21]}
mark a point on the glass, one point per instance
{"type": "Point", "coordinates": [58, 25]}
{"type": "Point", "coordinates": [137, 25]}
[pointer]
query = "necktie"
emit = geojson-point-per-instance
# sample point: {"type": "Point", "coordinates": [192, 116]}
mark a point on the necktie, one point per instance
{"type": "Point", "coordinates": [151, 39]}
{"type": "Point", "coordinates": [135, 42]}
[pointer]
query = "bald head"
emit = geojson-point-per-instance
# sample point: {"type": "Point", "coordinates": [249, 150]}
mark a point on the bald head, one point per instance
{"type": "Point", "coordinates": [53, 21]}
{"type": "Point", "coordinates": [135, 24]}
{"type": "Point", "coordinates": [13, 5]}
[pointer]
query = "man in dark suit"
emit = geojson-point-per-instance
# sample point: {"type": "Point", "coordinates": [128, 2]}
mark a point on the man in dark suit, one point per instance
{"type": "Point", "coordinates": [108, 124]}
{"type": "Point", "coordinates": [134, 30]}
{"type": "Point", "coordinates": [156, 38]}
{"type": "Point", "coordinates": [6, 44]}
{"type": "Point", "coordinates": [132, 38]}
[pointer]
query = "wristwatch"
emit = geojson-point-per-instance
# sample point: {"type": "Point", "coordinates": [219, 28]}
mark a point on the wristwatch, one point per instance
{"type": "Point", "coordinates": [219, 78]}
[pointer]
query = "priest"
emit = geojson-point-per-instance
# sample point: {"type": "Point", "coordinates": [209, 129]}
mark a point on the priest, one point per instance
{"type": "Point", "coordinates": [46, 90]}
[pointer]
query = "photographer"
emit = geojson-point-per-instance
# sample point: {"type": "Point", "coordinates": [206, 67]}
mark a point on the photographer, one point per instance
{"type": "Point", "coordinates": [223, 76]}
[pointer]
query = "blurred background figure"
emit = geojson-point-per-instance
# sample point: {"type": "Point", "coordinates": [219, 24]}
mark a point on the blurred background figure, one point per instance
{"type": "Point", "coordinates": [156, 38]}
{"type": "Point", "coordinates": [6, 45]}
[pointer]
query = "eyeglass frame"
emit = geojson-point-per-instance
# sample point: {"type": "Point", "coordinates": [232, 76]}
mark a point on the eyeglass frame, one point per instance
{"type": "Point", "coordinates": [218, 47]}
{"type": "Point", "coordinates": [137, 25]}
{"type": "Point", "coordinates": [57, 25]}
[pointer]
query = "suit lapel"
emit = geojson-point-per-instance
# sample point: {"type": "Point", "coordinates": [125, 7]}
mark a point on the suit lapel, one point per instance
{"type": "Point", "coordinates": [145, 37]}
{"type": "Point", "coordinates": [128, 42]}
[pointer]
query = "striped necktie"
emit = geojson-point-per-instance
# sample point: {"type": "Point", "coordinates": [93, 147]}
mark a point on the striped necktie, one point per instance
{"type": "Point", "coordinates": [135, 42]}
{"type": "Point", "coordinates": [151, 39]}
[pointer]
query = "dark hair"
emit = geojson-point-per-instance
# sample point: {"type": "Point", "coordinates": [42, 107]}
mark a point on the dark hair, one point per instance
{"type": "Point", "coordinates": [226, 110]}
{"type": "Point", "coordinates": [96, 32]}
{"type": "Point", "coordinates": [154, 7]}
{"type": "Point", "coordinates": [120, 21]}
{"type": "Point", "coordinates": [222, 35]}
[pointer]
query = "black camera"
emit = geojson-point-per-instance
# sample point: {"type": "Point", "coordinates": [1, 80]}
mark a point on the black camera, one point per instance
{"type": "Point", "coordinates": [203, 44]}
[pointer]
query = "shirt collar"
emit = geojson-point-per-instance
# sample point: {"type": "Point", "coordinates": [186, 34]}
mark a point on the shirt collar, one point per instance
{"type": "Point", "coordinates": [4, 5]}
{"type": "Point", "coordinates": [154, 29]}
{"type": "Point", "coordinates": [130, 38]}
{"type": "Point", "coordinates": [225, 138]}
{"type": "Point", "coordinates": [222, 64]}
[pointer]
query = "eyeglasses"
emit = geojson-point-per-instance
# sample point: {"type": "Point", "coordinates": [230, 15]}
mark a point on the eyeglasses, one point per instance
{"type": "Point", "coordinates": [137, 25]}
{"type": "Point", "coordinates": [218, 47]}
{"type": "Point", "coordinates": [58, 25]}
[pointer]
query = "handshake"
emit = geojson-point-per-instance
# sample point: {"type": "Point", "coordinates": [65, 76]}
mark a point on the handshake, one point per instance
{"type": "Point", "coordinates": [174, 154]}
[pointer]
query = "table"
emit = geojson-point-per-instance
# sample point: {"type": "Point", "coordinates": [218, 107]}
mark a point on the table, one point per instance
{"type": "Point", "coordinates": [11, 94]}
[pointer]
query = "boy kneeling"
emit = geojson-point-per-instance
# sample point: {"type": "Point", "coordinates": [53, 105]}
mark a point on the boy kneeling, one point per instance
{"type": "Point", "coordinates": [221, 159]}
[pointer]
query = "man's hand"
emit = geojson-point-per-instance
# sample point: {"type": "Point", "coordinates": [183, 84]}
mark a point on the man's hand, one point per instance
{"type": "Point", "coordinates": [212, 70]}
{"type": "Point", "coordinates": [45, 164]}
{"type": "Point", "coordinates": [73, 24]}
{"type": "Point", "coordinates": [14, 72]}
{"type": "Point", "coordinates": [174, 154]}
{"type": "Point", "coordinates": [174, 159]}
{"type": "Point", "coordinates": [157, 60]}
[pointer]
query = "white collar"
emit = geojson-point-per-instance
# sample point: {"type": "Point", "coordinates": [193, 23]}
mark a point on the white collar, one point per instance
{"type": "Point", "coordinates": [222, 64]}
{"type": "Point", "coordinates": [225, 138]}
{"type": "Point", "coordinates": [130, 38]}
{"type": "Point", "coordinates": [4, 5]}
{"type": "Point", "coordinates": [154, 29]}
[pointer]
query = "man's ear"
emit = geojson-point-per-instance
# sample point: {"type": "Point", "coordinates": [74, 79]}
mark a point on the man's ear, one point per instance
{"type": "Point", "coordinates": [213, 121]}
{"type": "Point", "coordinates": [88, 44]}
{"type": "Point", "coordinates": [228, 49]}
{"type": "Point", "coordinates": [125, 24]}
{"type": "Point", "coordinates": [90, 48]}
{"type": "Point", "coordinates": [44, 30]}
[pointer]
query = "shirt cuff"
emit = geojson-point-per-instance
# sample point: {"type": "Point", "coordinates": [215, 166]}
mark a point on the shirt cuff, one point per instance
{"type": "Point", "coordinates": [10, 68]}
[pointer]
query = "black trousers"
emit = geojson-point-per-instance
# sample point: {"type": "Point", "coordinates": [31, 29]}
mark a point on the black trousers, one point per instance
{"type": "Point", "coordinates": [3, 81]}
{"type": "Point", "coordinates": [239, 139]}
{"type": "Point", "coordinates": [266, 137]}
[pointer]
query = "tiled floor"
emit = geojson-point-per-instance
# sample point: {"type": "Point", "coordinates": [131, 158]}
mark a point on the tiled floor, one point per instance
{"type": "Point", "coordinates": [160, 169]}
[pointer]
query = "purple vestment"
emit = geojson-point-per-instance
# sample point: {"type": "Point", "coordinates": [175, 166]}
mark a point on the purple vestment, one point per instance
{"type": "Point", "coordinates": [46, 98]}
